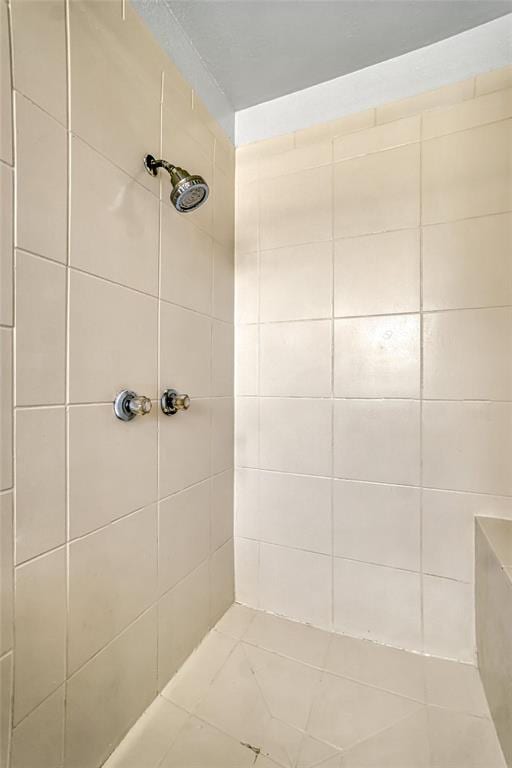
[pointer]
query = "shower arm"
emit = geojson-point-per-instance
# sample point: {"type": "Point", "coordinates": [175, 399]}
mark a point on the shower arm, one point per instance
{"type": "Point", "coordinates": [152, 165]}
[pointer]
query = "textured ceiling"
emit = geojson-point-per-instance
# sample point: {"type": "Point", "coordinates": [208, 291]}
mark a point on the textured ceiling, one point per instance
{"type": "Point", "coordinates": [257, 50]}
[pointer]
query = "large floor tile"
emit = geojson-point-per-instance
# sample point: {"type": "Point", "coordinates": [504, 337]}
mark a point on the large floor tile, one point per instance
{"type": "Point", "coordinates": [251, 705]}
{"type": "Point", "coordinates": [199, 745]}
{"type": "Point", "coordinates": [346, 712]}
{"type": "Point", "coordinates": [404, 745]}
{"type": "Point", "coordinates": [458, 740]}
{"type": "Point", "coordinates": [192, 681]}
{"type": "Point", "coordinates": [378, 665]}
{"type": "Point", "coordinates": [289, 638]}
{"type": "Point", "coordinates": [147, 743]}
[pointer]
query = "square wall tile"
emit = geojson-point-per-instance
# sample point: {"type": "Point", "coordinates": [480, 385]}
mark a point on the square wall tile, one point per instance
{"type": "Point", "coordinates": [377, 356]}
{"type": "Point", "coordinates": [247, 503]}
{"type": "Point", "coordinates": [6, 148]}
{"type": "Point", "coordinates": [112, 580]}
{"type": "Point", "coordinates": [106, 696]}
{"type": "Point", "coordinates": [311, 155]}
{"type": "Point", "coordinates": [332, 128]}
{"type": "Point", "coordinates": [448, 610]}
{"type": "Point", "coordinates": [41, 182]}
{"type": "Point", "coordinates": [120, 456]}
{"type": "Point", "coordinates": [222, 359]}
{"type": "Point", "coordinates": [467, 263]}
{"type": "Point", "coordinates": [296, 282]}
{"type": "Point", "coordinates": [290, 219]}
{"type": "Point", "coordinates": [468, 114]}
{"type": "Point", "coordinates": [247, 431]}
{"type": "Point", "coordinates": [183, 621]}
{"type": "Point", "coordinates": [184, 448]}
{"type": "Point", "coordinates": [102, 343]}
{"type": "Point", "coordinates": [449, 530]}
{"type": "Point", "coordinates": [222, 581]}
{"type": "Point", "coordinates": [488, 82]}
{"type": "Point", "coordinates": [378, 138]}
{"type": "Point", "coordinates": [186, 262]}
{"type": "Point", "coordinates": [6, 412]}
{"type": "Point", "coordinates": [118, 115]}
{"type": "Point", "coordinates": [223, 282]}
{"type": "Point", "coordinates": [467, 446]}
{"type": "Point", "coordinates": [222, 409]}
{"type": "Point", "coordinates": [40, 620]}
{"type": "Point", "coordinates": [6, 674]}
{"type": "Point", "coordinates": [377, 274]}
{"type": "Point", "coordinates": [221, 510]}
{"type": "Point", "coordinates": [247, 219]}
{"type": "Point", "coordinates": [246, 288]}
{"type": "Point", "coordinates": [40, 481]}
{"type": "Point", "coordinates": [114, 222]}
{"type": "Point", "coordinates": [39, 32]}
{"type": "Point", "coordinates": [377, 192]}
{"type": "Point", "coordinates": [185, 350]}
{"type": "Point", "coordinates": [6, 571]}
{"type": "Point", "coordinates": [295, 359]}
{"type": "Point", "coordinates": [247, 359]}
{"type": "Point", "coordinates": [223, 203]}
{"type": "Point", "coordinates": [295, 511]}
{"type": "Point", "coordinates": [452, 370]}
{"type": "Point", "coordinates": [467, 174]}
{"type": "Point", "coordinates": [447, 94]}
{"type": "Point", "coordinates": [39, 738]}
{"type": "Point", "coordinates": [377, 523]}
{"type": "Point", "coordinates": [295, 435]}
{"type": "Point", "coordinates": [6, 244]}
{"type": "Point", "coordinates": [40, 331]}
{"type": "Point", "coordinates": [183, 534]}
{"type": "Point", "coordinates": [377, 603]}
{"type": "Point", "coordinates": [247, 561]}
{"type": "Point", "coordinates": [377, 440]}
{"type": "Point", "coordinates": [296, 584]}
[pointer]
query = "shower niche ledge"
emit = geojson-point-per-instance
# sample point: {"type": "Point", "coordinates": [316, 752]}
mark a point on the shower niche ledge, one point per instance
{"type": "Point", "coordinates": [494, 621]}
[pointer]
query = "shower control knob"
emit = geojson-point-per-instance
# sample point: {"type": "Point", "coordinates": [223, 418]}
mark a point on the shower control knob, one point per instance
{"type": "Point", "coordinates": [172, 402]}
{"type": "Point", "coordinates": [128, 404]}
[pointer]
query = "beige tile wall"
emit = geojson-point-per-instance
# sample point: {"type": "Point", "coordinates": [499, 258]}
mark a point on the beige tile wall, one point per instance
{"type": "Point", "coordinates": [374, 364]}
{"type": "Point", "coordinates": [121, 535]}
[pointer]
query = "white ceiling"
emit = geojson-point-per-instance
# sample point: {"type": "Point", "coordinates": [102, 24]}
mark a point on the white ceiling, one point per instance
{"type": "Point", "coordinates": [257, 50]}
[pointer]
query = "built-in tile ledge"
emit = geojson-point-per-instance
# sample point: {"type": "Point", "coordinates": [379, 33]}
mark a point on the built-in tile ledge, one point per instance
{"type": "Point", "coordinates": [494, 621]}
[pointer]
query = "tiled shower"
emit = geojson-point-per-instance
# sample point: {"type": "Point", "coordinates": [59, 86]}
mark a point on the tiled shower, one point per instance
{"type": "Point", "coordinates": [340, 314]}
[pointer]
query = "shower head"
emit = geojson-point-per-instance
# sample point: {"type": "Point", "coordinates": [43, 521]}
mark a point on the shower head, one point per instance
{"type": "Point", "coordinates": [188, 191]}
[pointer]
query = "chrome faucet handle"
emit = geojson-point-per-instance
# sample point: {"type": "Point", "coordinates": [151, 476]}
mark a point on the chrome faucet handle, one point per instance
{"type": "Point", "coordinates": [172, 402]}
{"type": "Point", "coordinates": [128, 404]}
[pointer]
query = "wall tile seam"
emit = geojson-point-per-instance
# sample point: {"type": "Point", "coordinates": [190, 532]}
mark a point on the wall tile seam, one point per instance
{"type": "Point", "coordinates": [483, 494]}
{"type": "Point", "coordinates": [71, 540]}
{"type": "Point", "coordinates": [18, 92]}
{"type": "Point", "coordinates": [377, 398]}
{"type": "Point", "coordinates": [242, 253]}
{"type": "Point", "coordinates": [483, 124]}
{"type": "Point", "coordinates": [138, 291]}
{"type": "Point", "coordinates": [5, 164]}
{"type": "Point", "coordinates": [122, 631]}
{"type": "Point", "coordinates": [346, 558]}
{"type": "Point", "coordinates": [12, 342]}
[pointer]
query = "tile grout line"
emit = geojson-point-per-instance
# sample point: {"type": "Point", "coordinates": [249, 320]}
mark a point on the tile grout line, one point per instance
{"type": "Point", "coordinates": [12, 352]}
{"type": "Point", "coordinates": [159, 385]}
{"type": "Point", "coordinates": [421, 393]}
{"type": "Point", "coordinates": [333, 362]}
{"type": "Point", "coordinates": [67, 368]}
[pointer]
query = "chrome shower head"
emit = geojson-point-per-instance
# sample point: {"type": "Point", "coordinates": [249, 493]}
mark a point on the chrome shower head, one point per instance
{"type": "Point", "coordinates": [188, 191]}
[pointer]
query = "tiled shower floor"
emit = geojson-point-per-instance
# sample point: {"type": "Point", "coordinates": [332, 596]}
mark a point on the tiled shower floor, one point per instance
{"type": "Point", "coordinates": [268, 692]}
